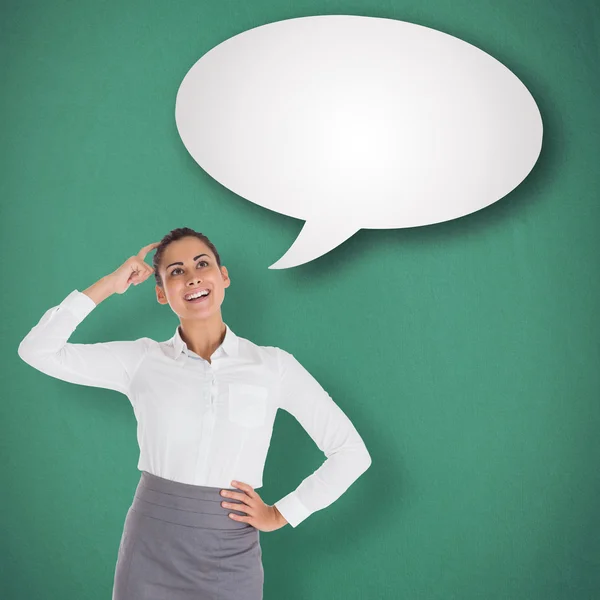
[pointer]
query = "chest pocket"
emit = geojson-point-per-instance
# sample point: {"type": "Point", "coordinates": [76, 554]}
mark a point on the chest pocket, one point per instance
{"type": "Point", "coordinates": [247, 404]}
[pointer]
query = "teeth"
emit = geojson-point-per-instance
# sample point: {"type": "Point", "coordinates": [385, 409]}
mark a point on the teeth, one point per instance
{"type": "Point", "coordinates": [197, 295]}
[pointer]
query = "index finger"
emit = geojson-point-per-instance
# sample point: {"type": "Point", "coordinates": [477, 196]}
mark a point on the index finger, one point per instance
{"type": "Point", "coordinates": [248, 489]}
{"type": "Point", "coordinates": [142, 253]}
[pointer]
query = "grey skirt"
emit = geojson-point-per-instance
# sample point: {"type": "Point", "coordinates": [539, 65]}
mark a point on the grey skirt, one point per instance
{"type": "Point", "coordinates": [179, 543]}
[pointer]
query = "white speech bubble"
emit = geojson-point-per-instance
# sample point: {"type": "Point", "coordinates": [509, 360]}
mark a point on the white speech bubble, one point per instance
{"type": "Point", "coordinates": [355, 123]}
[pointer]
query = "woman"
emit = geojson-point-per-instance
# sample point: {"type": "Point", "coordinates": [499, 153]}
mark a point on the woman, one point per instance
{"type": "Point", "coordinates": [205, 402]}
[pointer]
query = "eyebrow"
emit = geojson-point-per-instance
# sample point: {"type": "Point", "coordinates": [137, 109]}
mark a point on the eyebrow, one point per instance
{"type": "Point", "coordinates": [195, 258]}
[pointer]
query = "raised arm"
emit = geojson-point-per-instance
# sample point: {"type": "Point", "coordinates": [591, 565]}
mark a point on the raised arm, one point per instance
{"type": "Point", "coordinates": [331, 430]}
{"type": "Point", "coordinates": [107, 364]}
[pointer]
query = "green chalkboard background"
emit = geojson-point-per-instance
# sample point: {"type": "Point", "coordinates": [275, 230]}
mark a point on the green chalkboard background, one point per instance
{"type": "Point", "coordinates": [466, 353]}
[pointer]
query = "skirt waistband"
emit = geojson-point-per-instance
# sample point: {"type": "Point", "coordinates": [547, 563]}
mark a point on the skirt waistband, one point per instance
{"type": "Point", "coordinates": [185, 504]}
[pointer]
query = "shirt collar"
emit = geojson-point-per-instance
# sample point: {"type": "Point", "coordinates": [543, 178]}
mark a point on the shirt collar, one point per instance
{"type": "Point", "coordinates": [230, 343]}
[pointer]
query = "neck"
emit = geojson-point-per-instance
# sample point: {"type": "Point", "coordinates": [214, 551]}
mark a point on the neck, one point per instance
{"type": "Point", "coordinates": [203, 336]}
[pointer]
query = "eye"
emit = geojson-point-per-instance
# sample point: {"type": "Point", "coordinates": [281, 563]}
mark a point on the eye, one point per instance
{"type": "Point", "coordinates": [179, 268]}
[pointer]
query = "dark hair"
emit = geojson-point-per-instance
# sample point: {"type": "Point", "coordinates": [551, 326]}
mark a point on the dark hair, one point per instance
{"type": "Point", "coordinates": [172, 236]}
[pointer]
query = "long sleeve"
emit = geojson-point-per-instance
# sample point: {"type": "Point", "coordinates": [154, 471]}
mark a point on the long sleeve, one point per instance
{"type": "Point", "coordinates": [108, 365]}
{"type": "Point", "coordinates": [331, 430]}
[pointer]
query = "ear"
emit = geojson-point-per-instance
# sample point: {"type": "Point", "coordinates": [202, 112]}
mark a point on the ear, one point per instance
{"type": "Point", "coordinates": [225, 276]}
{"type": "Point", "coordinates": [160, 295]}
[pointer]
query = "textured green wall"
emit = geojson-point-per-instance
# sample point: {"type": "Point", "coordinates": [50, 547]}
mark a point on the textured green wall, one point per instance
{"type": "Point", "coordinates": [466, 353]}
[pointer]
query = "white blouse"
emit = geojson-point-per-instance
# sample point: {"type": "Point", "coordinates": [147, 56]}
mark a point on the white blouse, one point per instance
{"type": "Point", "coordinates": [206, 423]}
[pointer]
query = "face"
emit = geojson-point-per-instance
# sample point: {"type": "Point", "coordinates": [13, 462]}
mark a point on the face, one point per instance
{"type": "Point", "coordinates": [199, 271]}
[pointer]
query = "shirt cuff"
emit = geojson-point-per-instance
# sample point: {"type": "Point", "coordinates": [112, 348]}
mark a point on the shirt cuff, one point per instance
{"type": "Point", "coordinates": [292, 509]}
{"type": "Point", "coordinates": [80, 304]}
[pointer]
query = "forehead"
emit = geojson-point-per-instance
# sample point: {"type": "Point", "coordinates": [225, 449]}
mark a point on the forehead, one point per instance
{"type": "Point", "coordinates": [185, 249]}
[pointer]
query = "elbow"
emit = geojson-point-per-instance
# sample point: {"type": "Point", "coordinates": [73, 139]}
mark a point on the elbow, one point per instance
{"type": "Point", "coordinates": [21, 351]}
{"type": "Point", "coordinates": [366, 460]}
{"type": "Point", "coordinates": [25, 352]}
